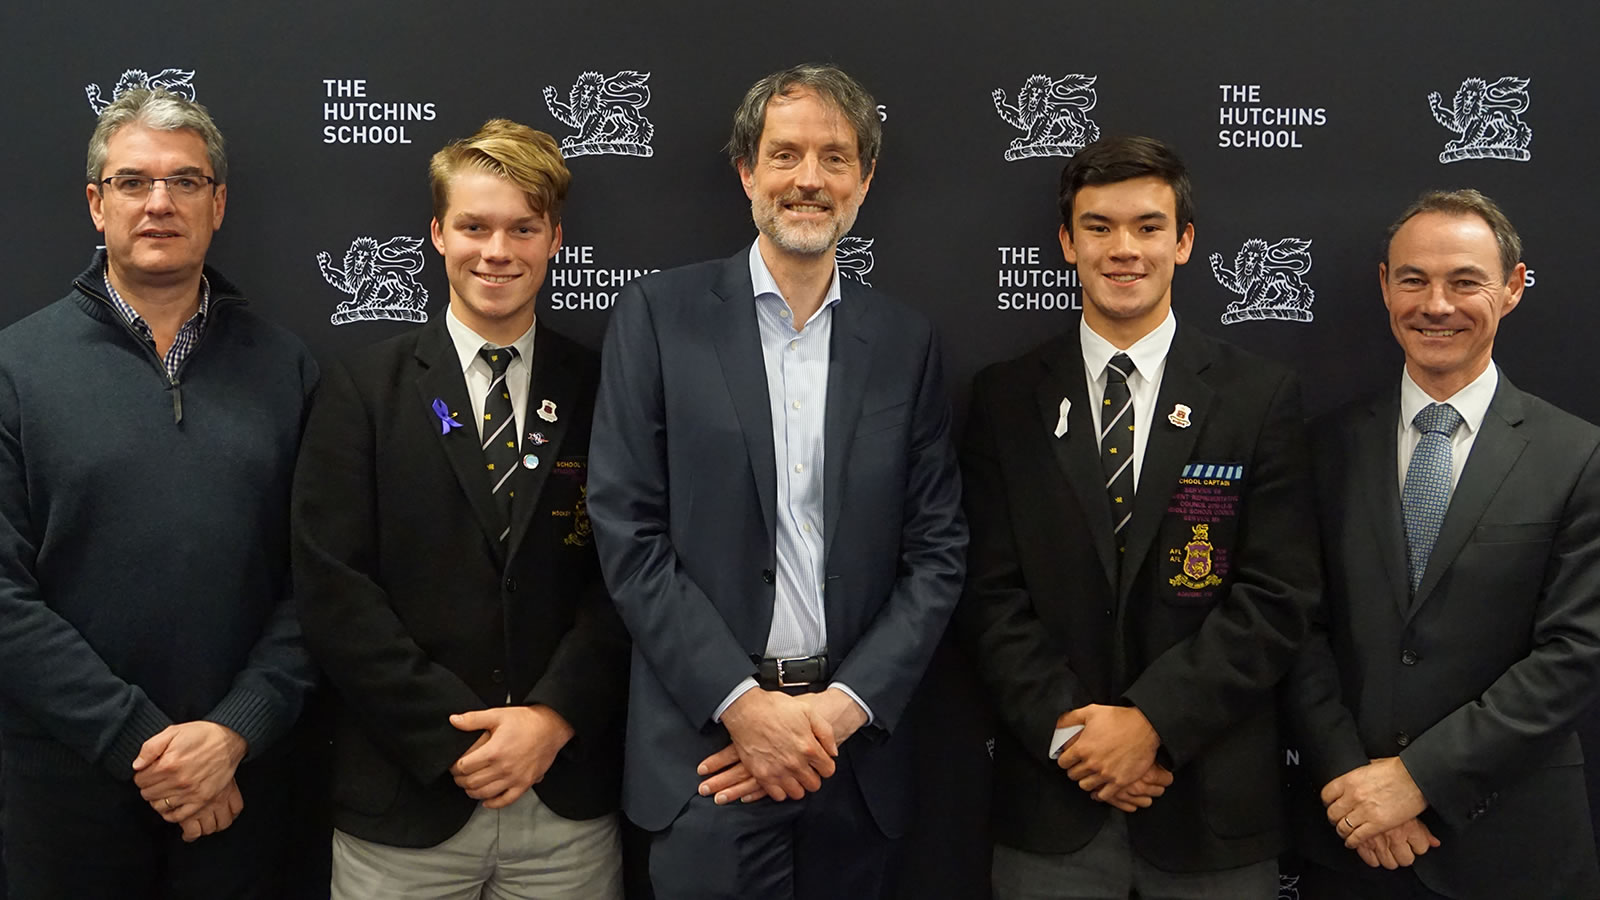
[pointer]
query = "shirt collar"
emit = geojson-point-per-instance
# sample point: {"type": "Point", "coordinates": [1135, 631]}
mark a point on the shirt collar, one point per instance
{"type": "Point", "coordinates": [1472, 401]}
{"type": "Point", "coordinates": [468, 342]}
{"type": "Point", "coordinates": [132, 315]}
{"type": "Point", "coordinates": [1148, 353]}
{"type": "Point", "coordinates": [764, 284]}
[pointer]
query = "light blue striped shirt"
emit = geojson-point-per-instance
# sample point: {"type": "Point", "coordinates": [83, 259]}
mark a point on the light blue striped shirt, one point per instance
{"type": "Point", "coordinates": [797, 389]}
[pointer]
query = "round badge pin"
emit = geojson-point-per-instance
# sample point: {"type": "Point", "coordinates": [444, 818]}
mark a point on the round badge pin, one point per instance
{"type": "Point", "coordinates": [530, 461]}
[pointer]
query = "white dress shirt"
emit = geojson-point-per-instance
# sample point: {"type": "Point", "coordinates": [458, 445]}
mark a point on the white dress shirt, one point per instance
{"type": "Point", "coordinates": [478, 374]}
{"type": "Point", "coordinates": [1149, 355]}
{"type": "Point", "coordinates": [1472, 402]}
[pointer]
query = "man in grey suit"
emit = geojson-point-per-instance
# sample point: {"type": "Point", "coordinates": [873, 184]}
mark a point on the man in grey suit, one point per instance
{"type": "Point", "coordinates": [1460, 640]}
{"type": "Point", "coordinates": [777, 510]}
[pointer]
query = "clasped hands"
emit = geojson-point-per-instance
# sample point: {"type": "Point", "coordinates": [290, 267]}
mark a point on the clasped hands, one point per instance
{"type": "Point", "coordinates": [1114, 757]}
{"type": "Point", "coordinates": [782, 745]}
{"type": "Point", "coordinates": [185, 772]}
{"type": "Point", "coordinates": [1374, 808]}
{"type": "Point", "coordinates": [513, 753]}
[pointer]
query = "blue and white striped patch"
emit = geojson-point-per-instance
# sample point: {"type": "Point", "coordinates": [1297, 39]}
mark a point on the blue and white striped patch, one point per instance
{"type": "Point", "coordinates": [1223, 471]}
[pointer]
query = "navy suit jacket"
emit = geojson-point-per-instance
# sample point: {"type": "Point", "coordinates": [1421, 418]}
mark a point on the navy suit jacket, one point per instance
{"type": "Point", "coordinates": [1478, 681]}
{"type": "Point", "coordinates": [682, 493]}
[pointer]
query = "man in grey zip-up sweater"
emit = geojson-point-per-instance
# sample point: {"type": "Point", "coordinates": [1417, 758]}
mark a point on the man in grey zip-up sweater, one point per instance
{"type": "Point", "coordinates": [149, 655]}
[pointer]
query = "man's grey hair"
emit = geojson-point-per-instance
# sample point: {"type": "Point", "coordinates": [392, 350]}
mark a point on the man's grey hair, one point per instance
{"type": "Point", "coordinates": [834, 87]}
{"type": "Point", "coordinates": [163, 111]}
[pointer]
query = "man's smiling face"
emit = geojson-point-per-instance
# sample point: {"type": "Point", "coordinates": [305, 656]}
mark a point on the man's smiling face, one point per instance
{"type": "Point", "coordinates": [806, 184]}
{"type": "Point", "coordinates": [1446, 294]}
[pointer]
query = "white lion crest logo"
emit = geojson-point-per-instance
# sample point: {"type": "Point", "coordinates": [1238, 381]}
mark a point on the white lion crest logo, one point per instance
{"type": "Point", "coordinates": [1288, 887]}
{"type": "Point", "coordinates": [1053, 112]}
{"type": "Point", "coordinates": [380, 279]}
{"type": "Point", "coordinates": [607, 113]}
{"type": "Point", "coordinates": [854, 257]}
{"type": "Point", "coordinates": [1488, 118]}
{"type": "Point", "coordinates": [178, 81]}
{"type": "Point", "coordinates": [1267, 278]}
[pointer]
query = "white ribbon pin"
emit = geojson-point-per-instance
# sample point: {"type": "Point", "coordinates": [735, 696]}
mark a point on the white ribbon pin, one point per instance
{"type": "Point", "coordinates": [1061, 423]}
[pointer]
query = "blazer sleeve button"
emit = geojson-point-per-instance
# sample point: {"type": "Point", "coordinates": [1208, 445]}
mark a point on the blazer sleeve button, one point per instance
{"type": "Point", "coordinates": [511, 585]}
{"type": "Point", "coordinates": [1402, 739]}
{"type": "Point", "coordinates": [767, 576]}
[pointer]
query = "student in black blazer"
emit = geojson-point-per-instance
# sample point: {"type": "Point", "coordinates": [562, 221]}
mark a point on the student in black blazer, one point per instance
{"type": "Point", "coordinates": [446, 572]}
{"type": "Point", "coordinates": [1154, 601]}
{"type": "Point", "coordinates": [1438, 698]}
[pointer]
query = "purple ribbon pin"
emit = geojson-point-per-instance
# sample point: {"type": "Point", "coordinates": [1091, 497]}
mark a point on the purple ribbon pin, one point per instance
{"type": "Point", "coordinates": [446, 422]}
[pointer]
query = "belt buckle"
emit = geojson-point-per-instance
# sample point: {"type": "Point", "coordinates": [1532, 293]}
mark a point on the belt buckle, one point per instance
{"type": "Point", "coordinates": [783, 678]}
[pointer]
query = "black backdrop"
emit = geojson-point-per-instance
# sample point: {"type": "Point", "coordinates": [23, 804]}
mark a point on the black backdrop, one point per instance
{"type": "Point", "coordinates": [1307, 126]}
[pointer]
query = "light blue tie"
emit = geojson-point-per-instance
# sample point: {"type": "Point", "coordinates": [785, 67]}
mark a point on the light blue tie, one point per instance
{"type": "Point", "coordinates": [1429, 480]}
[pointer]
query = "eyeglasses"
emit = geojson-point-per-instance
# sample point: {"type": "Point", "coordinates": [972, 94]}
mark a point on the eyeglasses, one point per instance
{"type": "Point", "coordinates": [138, 187]}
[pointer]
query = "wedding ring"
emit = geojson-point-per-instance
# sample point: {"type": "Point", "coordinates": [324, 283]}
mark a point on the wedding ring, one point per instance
{"type": "Point", "coordinates": [168, 802]}
{"type": "Point", "coordinates": [1347, 823]}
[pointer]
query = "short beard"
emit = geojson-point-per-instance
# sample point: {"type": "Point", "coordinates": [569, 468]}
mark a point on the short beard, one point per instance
{"type": "Point", "coordinates": [801, 241]}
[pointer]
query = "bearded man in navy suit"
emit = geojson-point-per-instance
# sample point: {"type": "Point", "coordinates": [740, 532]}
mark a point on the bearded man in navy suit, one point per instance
{"type": "Point", "coordinates": [778, 511]}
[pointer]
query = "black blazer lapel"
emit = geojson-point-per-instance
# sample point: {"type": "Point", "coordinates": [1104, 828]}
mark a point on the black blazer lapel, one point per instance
{"type": "Point", "coordinates": [1494, 452]}
{"type": "Point", "coordinates": [1168, 446]}
{"type": "Point", "coordinates": [1374, 468]}
{"type": "Point", "coordinates": [440, 379]}
{"type": "Point", "coordinates": [1077, 453]}
{"type": "Point", "coordinates": [738, 342]}
{"type": "Point", "coordinates": [554, 380]}
{"type": "Point", "coordinates": [849, 367]}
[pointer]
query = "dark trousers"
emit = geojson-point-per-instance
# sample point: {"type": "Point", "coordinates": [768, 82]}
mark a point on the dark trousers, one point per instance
{"type": "Point", "coordinates": [821, 847]}
{"type": "Point", "coordinates": [1108, 868]}
{"type": "Point", "coordinates": [71, 830]}
{"type": "Point", "coordinates": [1322, 883]}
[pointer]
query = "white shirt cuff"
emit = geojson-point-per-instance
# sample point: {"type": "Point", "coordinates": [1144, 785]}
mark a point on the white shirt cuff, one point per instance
{"type": "Point", "coordinates": [750, 683]}
{"type": "Point", "coordinates": [736, 693]}
{"type": "Point", "coordinates": [1058, 740]}
{"type": "Point", "coordinates": [853, 696]}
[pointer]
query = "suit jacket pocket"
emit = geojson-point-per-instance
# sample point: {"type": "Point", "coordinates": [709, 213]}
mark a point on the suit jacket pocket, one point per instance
{"type": "Point", "coordinates": [882, 419]}
{"type": "Point", "coordinates": [1515, 533]}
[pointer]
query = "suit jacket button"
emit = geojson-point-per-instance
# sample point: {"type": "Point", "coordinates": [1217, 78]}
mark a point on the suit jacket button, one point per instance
{"type": "Point", "coordinates": [498, 676]}
{"type": "Point", "coordinates": [766, 575]}
{"type": "Point", "coordinates": [511, 585]}
{"type": "Point", "coordinates": [1409, 657]}
{"type": "Point", "coordinates": [1402, 738]}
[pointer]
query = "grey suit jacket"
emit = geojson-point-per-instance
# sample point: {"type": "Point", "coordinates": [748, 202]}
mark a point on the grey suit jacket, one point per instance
{"type": "Point", "coordinates": [1477, 681]}
{"type": "Point", "coordinates": [682, 493]}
